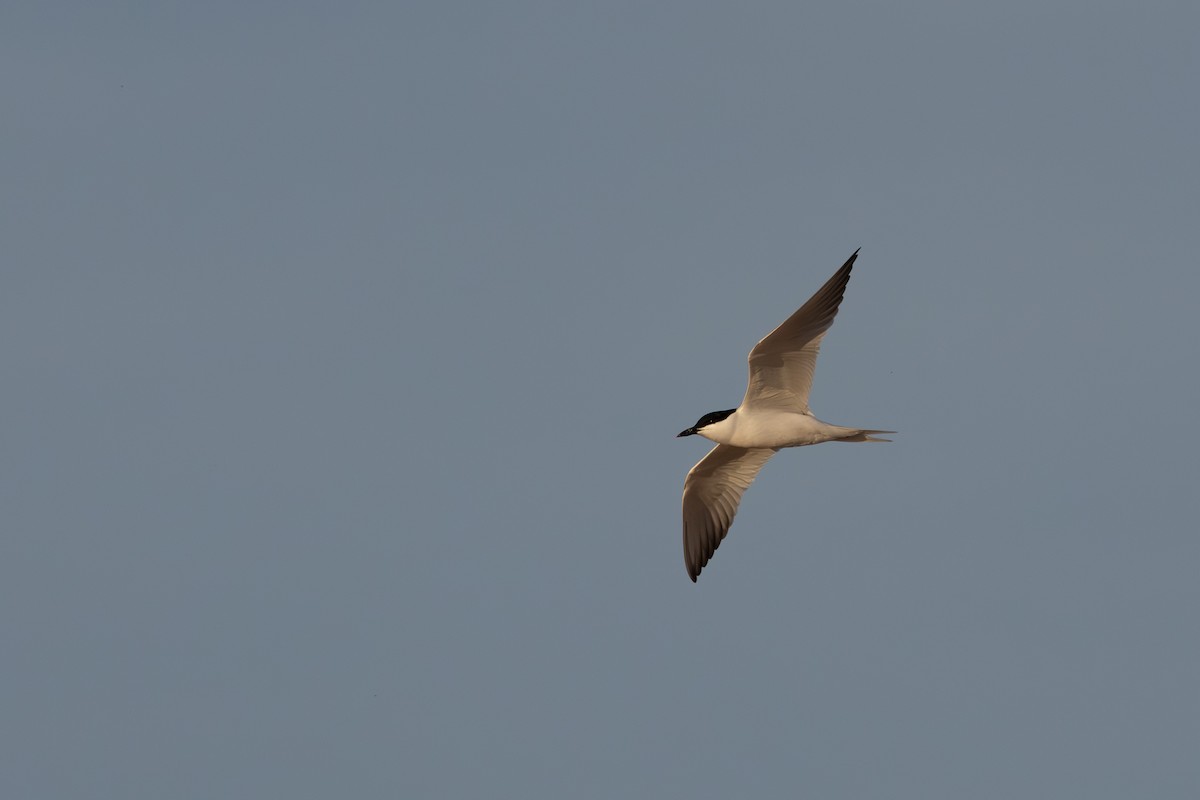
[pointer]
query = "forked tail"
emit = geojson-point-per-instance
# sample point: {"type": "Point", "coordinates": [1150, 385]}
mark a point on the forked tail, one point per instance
{"type": "Point", "coordinates": [863, 436]}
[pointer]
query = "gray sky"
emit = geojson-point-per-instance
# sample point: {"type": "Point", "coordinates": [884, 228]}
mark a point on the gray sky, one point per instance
{"type": "Point", "coordinates": [344, 346]}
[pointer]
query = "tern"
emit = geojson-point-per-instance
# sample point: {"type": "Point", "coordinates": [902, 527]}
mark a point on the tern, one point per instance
{"type": "Point", "coordinates": [773, 415]}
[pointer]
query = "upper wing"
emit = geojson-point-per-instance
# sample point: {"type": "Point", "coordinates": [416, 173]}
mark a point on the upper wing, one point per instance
{"type": "Point", "coordinates": [782, 364]}
{"type": "Point", "coordinates": [711, 494]}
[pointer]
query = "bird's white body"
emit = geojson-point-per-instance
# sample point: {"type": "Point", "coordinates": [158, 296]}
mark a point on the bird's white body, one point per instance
{"type": "Point", "coordinates": [773, 427]}
{"type": "Point", "coordinates": [773, 414]}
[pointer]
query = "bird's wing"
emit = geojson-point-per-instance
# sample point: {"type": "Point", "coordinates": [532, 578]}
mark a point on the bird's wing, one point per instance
{"type": "Point", "coordinates": [782, 364]}
{"type": "Point", "coordinates": [711, 494]}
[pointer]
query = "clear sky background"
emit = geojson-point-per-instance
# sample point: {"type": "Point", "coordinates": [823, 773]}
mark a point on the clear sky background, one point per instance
{"type": "Point", "coordinates": [344, 347]}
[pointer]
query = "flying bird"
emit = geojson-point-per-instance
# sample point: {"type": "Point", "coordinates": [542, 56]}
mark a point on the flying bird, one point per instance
{"type": "Point", "coordinates": [774, 414]}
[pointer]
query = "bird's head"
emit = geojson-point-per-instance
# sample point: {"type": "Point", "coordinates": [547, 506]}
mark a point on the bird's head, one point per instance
{"type": "Point", "coordinates": [707, 419]}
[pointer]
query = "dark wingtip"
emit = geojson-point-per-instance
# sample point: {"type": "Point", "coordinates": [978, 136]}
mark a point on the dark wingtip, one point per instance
{"type": "Point", "coordinates": [848, 265]}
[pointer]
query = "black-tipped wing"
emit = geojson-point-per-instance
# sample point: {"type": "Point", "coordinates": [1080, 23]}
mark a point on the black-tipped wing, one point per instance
{"type": "Point", "coordinates": [782, 364]}
{"type": "Point", "coordinates": [711, 495]}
